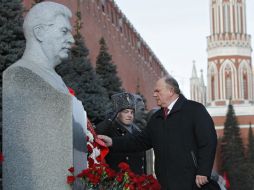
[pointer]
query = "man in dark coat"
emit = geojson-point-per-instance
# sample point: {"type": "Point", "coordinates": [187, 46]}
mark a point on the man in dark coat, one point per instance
{"type": "Point", "coordinates": [124, 107]}
{"type": "Point", "coordinates": [184, 139]}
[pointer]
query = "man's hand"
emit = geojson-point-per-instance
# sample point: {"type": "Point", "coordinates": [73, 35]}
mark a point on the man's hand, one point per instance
{"type": "Point", "coordinates": [107, 140]}
{"type": "Point", "coordinates": [201, 180]}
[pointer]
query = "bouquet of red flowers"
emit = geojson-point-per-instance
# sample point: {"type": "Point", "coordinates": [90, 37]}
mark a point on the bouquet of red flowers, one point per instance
{"type": "Point", "coordinates": [101, 177]}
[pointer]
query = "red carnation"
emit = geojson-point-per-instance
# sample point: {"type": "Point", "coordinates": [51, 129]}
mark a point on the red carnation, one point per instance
{"type": "Point", "coordinates": [71, 91]}
{"type": "Point", "coordinates": [141, 179]}
{"type": "Point", "coordinates": [70, 179]}
{"type": "Point", "coordinates": [119, 178]}
{"type": "Point", "coordinates": [100, 171]}
{"type": "Point", "coordinates": [84, 173]}
{"type": "Point", "coordinates": [71, 169]}
{"type": "Point", "coordinates": [124, 166]}
{"type": "Point", "coordinates": [111, 173]}
{"type": "Point", "coordinates": [95, 180]}
{"type": "Point", "coordinates": [103, 164]}
{"type": "Point", "coordinates": [89, 148]}
{"type": "Point", "coordinates": [90, 161]}
{"type": "Point", "coordinates": [98, 158]}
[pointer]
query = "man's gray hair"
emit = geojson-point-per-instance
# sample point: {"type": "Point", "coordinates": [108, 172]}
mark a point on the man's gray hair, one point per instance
{"type": "Point", "coordinates": [43, 14]}
{"type": "Point", "coordinates": [173, 83]}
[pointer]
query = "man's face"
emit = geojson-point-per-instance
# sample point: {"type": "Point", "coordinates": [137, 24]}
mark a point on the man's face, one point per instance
{"type": "Point", "coordinates": [126, 116]}
{"type": "Point", "coordinates": [162, 93]}
{"type": "Point", "coordinates": [57, 40]}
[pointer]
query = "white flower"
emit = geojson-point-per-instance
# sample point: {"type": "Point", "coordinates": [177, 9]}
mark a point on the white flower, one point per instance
{"type": "Point", "coordinates": [95, 154]}
{"type": "Point", "coordinates": [90, 136]}
{"type": "Point", "coordinates": [95, 150]}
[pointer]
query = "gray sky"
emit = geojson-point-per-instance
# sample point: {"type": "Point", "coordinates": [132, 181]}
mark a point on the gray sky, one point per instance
{"type": "Point", "coordinates": [176, 31]}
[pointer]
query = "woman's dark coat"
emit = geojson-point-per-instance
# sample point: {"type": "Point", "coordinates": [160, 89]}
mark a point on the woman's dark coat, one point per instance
{"type": "Point", "coordinates": [184, 144]}
{"type": "Point", "coordinates": [135, 160]}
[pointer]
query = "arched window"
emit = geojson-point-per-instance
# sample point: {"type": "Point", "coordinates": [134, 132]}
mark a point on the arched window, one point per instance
{"type": "Point", "coordinates": [228, 82]}
{"type": "Point", "coordinates": [213, 82]}
{"type": "Point", "coordinates": [244, 80]}
{"type": "Point", "coordinates": [213, 88]}
{"type": "Point", "coordinates": [245, 85]}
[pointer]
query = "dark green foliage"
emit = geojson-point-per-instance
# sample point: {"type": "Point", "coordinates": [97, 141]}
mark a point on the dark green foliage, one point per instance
{"type": "Point", "coordinates": [107, 70]}
{"type": "Point", "coordinates": [79, 74]}
{"type": "Point", "coordinates": [233, 160]}
{"type": "Point", "coordinates": [250, 159]}
{"type": "Point", "coordinates": [250, 151]}
{"type": "Point", "coordinates": [12, 41]}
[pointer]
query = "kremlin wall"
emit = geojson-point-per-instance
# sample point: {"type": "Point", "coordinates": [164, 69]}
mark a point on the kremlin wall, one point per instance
{"type": "Point", "coordinates": [137, 65]}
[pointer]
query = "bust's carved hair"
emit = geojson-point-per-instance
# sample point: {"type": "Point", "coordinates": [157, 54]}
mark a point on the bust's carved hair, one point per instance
{"type": "Point", "coordinates": [43, 13]}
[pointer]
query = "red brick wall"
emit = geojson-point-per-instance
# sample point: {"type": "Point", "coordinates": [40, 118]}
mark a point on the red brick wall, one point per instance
{"type": "Point", "coordinates": [242, 120]}
{"type": "Point", "coordinates": [136, 64]}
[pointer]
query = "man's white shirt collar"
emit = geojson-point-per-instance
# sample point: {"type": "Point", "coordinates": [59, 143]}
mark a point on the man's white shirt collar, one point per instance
{"type": "Point", "coordinates": [171, 105]}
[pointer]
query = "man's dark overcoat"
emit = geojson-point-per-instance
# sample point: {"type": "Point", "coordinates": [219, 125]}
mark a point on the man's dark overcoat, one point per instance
{"type": "Point", "coordinates": [184, 144]}
{"type": "Point", "coordinates": [135, 160]}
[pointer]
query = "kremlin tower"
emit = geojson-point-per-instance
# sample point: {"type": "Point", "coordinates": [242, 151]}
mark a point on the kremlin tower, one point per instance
{"type": "Point", "coordinates": [230, 76]}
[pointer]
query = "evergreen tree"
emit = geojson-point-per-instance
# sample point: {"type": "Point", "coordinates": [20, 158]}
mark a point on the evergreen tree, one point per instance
{"type": "Point", "coordinates": [107, 70]}
{"type": "Point", "coordinates": [250, 152]}
{"type": "Point", "coordinates": [79, 75]}
{"type": "Point", "coordinates": [12, 41]}
{"type": "Point", "coordinates": [233, 161]}
{"type": "Point", "coordinates": [250, 159]}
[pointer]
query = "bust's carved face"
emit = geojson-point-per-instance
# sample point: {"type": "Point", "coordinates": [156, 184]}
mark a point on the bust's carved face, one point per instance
{"type": "Point", "coordinates": [57, 40]}
{"type": "Point", "coordinates": [140, 109]}
{"type": "Point", "coordinates": [140, 113]}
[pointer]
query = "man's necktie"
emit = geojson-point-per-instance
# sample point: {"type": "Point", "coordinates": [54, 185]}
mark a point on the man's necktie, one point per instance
{"type": "Point", "coordinates": [165, 112]}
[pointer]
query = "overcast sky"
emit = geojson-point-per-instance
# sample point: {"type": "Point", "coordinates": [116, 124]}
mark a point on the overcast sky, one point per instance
{"type": "Point", "coordinates": [176, 32]}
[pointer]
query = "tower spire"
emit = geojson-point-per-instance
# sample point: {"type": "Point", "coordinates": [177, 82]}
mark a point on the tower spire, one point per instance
{"type": "Point", "coordinates": [202, 78]}
{"type": "Point", "coordinates": [194, 70]}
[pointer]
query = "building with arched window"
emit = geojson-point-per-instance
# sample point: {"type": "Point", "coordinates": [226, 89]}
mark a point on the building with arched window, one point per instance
{"type": "Point", "coordinates": [230, 75]}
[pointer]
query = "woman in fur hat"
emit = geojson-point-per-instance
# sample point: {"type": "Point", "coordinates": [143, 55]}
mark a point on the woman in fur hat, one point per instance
{"type": "Point", "coordinates": [120, 123]}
